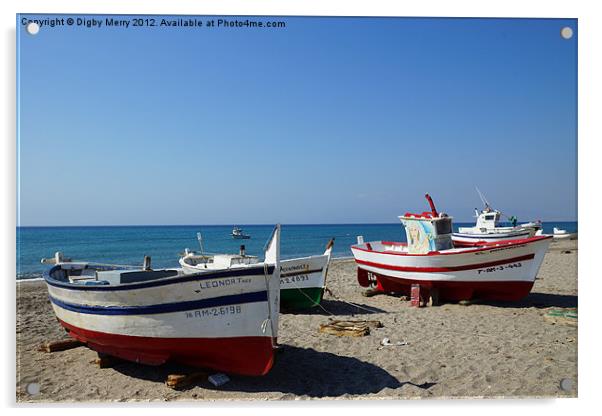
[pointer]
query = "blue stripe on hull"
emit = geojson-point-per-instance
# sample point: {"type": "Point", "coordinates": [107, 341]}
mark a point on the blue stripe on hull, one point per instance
{"type": "Point", "coordinates": [163, 308]}
{"type": "Point", "coordinates": [253, 271]}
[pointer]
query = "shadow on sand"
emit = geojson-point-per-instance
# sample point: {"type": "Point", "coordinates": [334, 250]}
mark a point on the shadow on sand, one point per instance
{"type": "Point", "coordinates": [305, 371]}
{"type": "Point", "coordinates": [297, 371]}
{"type": "Point", "coordinates": [538, 300]}
{"type": "Point", "coordinates": [337, 307]}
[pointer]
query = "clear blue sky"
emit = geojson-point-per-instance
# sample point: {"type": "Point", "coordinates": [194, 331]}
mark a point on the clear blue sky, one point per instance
{"type": "Point", "coordinates": [329, 120]}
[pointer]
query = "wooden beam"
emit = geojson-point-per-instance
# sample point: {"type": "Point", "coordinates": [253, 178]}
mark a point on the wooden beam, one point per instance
{"type": "Point", "coordinates": [62, 345]}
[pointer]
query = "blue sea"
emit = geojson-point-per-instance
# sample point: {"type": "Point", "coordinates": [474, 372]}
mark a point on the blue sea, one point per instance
{"type": "Point", "coordinates": [129, 244]}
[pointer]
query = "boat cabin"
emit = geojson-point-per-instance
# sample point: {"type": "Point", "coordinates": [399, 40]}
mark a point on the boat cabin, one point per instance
{"type": "Point", "coordinates": [218, 261]}
{"type": "Point", "coordinates": [427, 232]}
{"type": "Point", "coordinates": [226, 261]}
{"type": "Point", "coordinates": [488, 218]}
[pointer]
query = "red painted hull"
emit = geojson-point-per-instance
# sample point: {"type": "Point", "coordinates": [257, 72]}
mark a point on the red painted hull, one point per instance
{"type": "Point", "coordinates": [451, 290]}
{"type": "Point", "coordinates": [250, 356]}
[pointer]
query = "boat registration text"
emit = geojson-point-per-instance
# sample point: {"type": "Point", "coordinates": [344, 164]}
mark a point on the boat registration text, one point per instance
{"type": "Point", "coordinates": [215, 312]}
{"type": "Point", "coordinates": [499, 268]}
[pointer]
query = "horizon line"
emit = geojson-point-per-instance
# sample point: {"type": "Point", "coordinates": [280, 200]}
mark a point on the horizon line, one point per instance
{"type": "Point", "coordinates": [232, 224]}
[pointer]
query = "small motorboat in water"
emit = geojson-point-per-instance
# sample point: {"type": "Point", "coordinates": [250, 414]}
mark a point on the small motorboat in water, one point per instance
{"type": "Point", "coordinates": [503, 270]}
{"type": "Point", "coordinates": [238, 234]}
{"type": "Point", "coordinates": [223, 318]}
{"type": "Point", "coordinates": [563, 235]}
{"type": "Point", "coordinates": [302, 280]}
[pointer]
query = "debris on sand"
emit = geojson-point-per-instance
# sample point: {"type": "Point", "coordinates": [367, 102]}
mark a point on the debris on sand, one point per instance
{"type": "Point", "coordinates": [349, 328]}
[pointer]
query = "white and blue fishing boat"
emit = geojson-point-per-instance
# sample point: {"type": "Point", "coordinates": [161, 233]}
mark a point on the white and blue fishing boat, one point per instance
{"type": "Point", "coordinates": [563, 235]}
{"type": "Point", "coordinates": [488, 228]}
{"type": "Point", "coordinates": [239, 234]}
{"type": "Point", "coordinates": [225, 319]}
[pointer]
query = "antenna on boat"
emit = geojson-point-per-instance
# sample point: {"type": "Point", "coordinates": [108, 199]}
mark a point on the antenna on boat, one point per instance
{"type": "Point", "coordinates": [432, 204]}
{"type": "Point", "coordinates": [146, 265]}
{"type": "Point", "coordinates": [483, 199]}
{"type": "Point", "coordinates": [199, 237]}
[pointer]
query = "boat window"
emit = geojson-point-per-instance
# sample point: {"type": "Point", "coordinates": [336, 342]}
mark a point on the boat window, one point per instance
{"type": "Point", "coordinates": [443, 226]}
{"type": "Point", "coordinates": [489, 217]}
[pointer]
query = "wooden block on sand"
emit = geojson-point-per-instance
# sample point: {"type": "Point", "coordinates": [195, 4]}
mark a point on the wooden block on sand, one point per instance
{"type": "Point", "coordinates": [106, 361]}
{"type": "Point", "coordinates": [178, 381]}
{"type": "Point", "coordinates": [372, 292]}
{"type": "Point", "coordinates": [62, 345]}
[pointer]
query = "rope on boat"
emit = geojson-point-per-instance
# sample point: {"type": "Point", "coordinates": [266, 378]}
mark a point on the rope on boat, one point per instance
{"type": "Point", "coordinates": [264, 324]}
{"type": "Point", "coordinates": [312, 300]}
{"type": "Point", "coordinates": [349, 303]}
{"type": "Point", "coordinates": [335, 297]}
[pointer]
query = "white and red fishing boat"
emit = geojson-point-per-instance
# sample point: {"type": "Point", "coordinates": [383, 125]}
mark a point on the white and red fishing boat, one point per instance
{"type": "Point", "coordinates": [224, 319]}
{"type": "Point", "coordinates": [490, 271]}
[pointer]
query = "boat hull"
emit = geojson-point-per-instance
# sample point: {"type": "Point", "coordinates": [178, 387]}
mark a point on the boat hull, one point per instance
{"type": "Point", "coordinates": [472, 239]}
{"type": "Point", "coordinates": [504, 271]}
{"type": "Point", "coordinates": [223, 354]}
{"type": "Point", "coordinates": [571, 236]}
{"type": "Point", "coordinates": [223, 320]}
{"type": "Point", "coordinates": [453, 291]}
{"type": "Point", "coordinates": [302, 282]}
{"type": "Point", "coordinates": [305, 298]}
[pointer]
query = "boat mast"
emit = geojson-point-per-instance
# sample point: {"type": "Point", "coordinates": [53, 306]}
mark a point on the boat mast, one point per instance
{"type": "Point", "coordinates": [199, 237]}
{"type": "Point", "coordinates": [483, 199]}
{"type": "Point", "coordinates": [432, 204]}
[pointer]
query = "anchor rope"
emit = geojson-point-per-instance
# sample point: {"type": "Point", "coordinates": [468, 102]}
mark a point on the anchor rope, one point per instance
{"type": "Point", "coordinates": [349, 303]}
{"type": "Point", "coordinates": [335, 297]}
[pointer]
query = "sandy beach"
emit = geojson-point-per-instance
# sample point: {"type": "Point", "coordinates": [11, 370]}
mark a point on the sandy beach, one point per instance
{"type": "Point", "coordinates": [452, 351]}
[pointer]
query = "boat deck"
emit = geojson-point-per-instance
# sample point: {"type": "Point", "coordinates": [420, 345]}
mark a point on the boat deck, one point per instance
{"type": "Point", "coordinates": [88, 274]}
